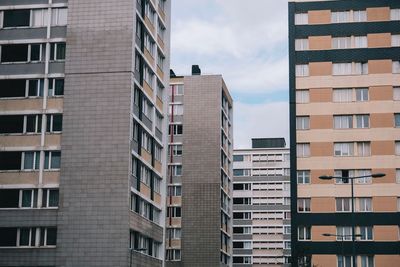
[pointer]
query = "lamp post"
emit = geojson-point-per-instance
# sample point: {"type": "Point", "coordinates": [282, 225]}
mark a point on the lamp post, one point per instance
{"type": "Point", "coordinates": [328, 177]}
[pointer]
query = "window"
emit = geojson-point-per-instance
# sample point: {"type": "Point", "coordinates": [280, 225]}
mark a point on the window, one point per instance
{"type": "Point", "coordinates": [365, 180]}
{"type": "Point", "coordinates": [343, 149]}
{"type": "Point", "coordinates": [344, 174]}
{"type": "Point", "coordinates": [366, 233]}
{"type": "Point", "coordinates": [303, 123]}
{"type": "Point", "coordinates": [241, 187]}
{"type": "Point", "coordinates": [157, 152]}
{"type": "Point", "coordinates": [48, 236]}
{"type": "Point", "coordinates": [367, 261]}
{"type": "Point", "coordinates": [145, 175]}
{"type": "Point", "coordinates": [54, 123]}
{"type": "Point", "coordinates": [27, 236]}
{"type": "Point", "coordinates": [396, 93]}
{"type": "Point", "coordinates": [360, 68]}
{"type": "Point", "coordinates": [173, 255]}
{"type": "Point", "coordinates": [304, 233]}
{"type": "Point", "coordinates": [302, 70]}
{"type": "Point", "coordinates": [56, 87]}
{"type": "Point", "coordinates": [301, 44]}
{"type": "Point", "coordinates": [362, 94]}
{"type": "Point", "coordinates": [359, 15]}
{"type": "Point", "coordinates": [149, 44]}
{"type": "Point", "coordinates": [175, 129]}
{"type": "Point", "coordinates": [344, 233]}
{"type": "Point", "coordinates": [147, 108]}
{"type": "Point", "coordinates": [343, 122]}
{"type": "Point", "coordinates": [395, 14]}
{"type": "Point", "coordinates": [161, 30]}
{"type": "Point", "coordinates": [397, 120]}
{"type": "Point", "coordinates": [161, 4]}
{"type": "Point", "coordinates": [342, 95]}
{"type": "Point", "coordinates": [16, 18]}
{"type": "Point", "coordinates": [176, 170]}
{"type": "Point", "coordinates": [159, 121]}
{"type": "Point", "coordinates": [302, 96]}
{"type": "Point", "coordinates": [14, 53]}
{"type": "Point", "coordinates": [160, 60]}
{"type": "Point", "coordinates": [343, 204]}
{"type": "Point", "coordinates": [242, 215]}
{"type": "Point", "coordinates": [396, 66]}
{"type": "Point", "coordinates": [340, 17]}
{"type": "Point", "coordinates": [303, 177]}
{"type": "Point", "coordinates": [175, 150]}
{"type": "Point", "coordinates": [40, 17]}
{"type": "Point", "coordinates": [364, 204]}
{"type": "Point", "coordinates": [175, 109]}
{"type": "Point", "coordinates": [174, 233]}
{"type": "Point", "coordinates": [31, 160]}
{"type": "Point", "coordinates": [342, 68]}
{"type": "Point", "coordinates": [147, 141]}
{"type": "Point", "coordinates": [360, 42]}
{"type": "Point", "coordinates": [59, 16]}
{"type": "Point", "coordinates": [52, 160]}
{"type": "Point", "coordinates": [303, 150]}
{"type": "Point", "coordinates": [397, 147]}
{"type": "Point", "coordinates": [57, 51]}
{"type": "Point", "coordinates": [341, 42]}
{"type": "Point", "coordinates": [175, 190]}
{"type": "Point", "coordinates": [301, 19]}
{"type": "Point", "coordinates": [176, 89]}
{"type": "Point", "coordinates": [150, 12]}
{"type": "Point", "coordinates": [362, 121]}
{"type": "Point", "coordinates": [396, 40]}
{"type": "Point", "coordinates": [344, 261]}
{"type": "Point", "coordinates": [303, 204]}
{"type": "Point", "coordinates": [363, 149]}
{"type": "Point", "coordinates": [35, 88]}
{"type": "Point", "coordinates": [50, 198]}
{"type": "Point", "coordinates": [241, 172]}
{"type": "Point", "coordinates": [398, 176]}
{"type": "Point", "coordinates": [174, 212]}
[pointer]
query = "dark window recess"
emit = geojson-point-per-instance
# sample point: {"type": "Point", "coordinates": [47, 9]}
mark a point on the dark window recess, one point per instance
{"type": "Point", "coordinates": [238, 260]}
{"type": "Point", "coordinates": [238, 201]}
{"type": "Point", "coordinates": [238, 186]}
{"type": "Point", "coordinates": [9, 198]}
{"type": "Point", "coordinates": [237, 244]}
{"type": "Point", "coordinates": [12, 124]}
{"type": "Point", "coordinates": [238, 230]}
{"type": "Point", "coordinates": [51, 238]}
{"type": "Point", "coordinates": [12, 88]}
{"type": "Point", "coordinates": [14, 53]}
{"type": "Point", "coordinates": [59, 87]}
{"type": "Point", "coordinates": [8, 237]}
{"type": "Point", "coordinates": [238, 172]}
{"type": "Point", "coordinates": [17, 18]}
{"type": "Point", "coordinates": [238, 215]}
{"type": "Point", "coordinates": [237, 157]}
{"type": "Point", "coordinates": [35, 52]}
{"type": "Point", "coordinates": [36, 88]}
{"type": "Point", "coordinates": [10, 161]}
{"type": "Point", "coordinates": [31, 125]}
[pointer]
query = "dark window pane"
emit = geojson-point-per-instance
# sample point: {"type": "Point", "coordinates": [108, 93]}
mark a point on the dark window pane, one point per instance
{"type": "Point", "coordinates": [11, 124]}
{"type": "Point", "coordinates": [8, 237]}
{"type": "Point", "coordinates": [26, 198]}
{"type": "Point", "coordinates": [31, 123]}
{"type": "Point", "coordinates": [9, 198]}
{"type": "Point", "coordinates": [51, 239]}
{"type": "Point", "coordinates": [36, 88]}
{"type": "Point", "coordinates": [53, 198]}
{"type": "Point", "coordinates": [52, 49]}
{"type": "Point", "coordinates": [29, 160]}
{"type": "Point", "coordinates": [14, 53]}
{"type": "Point", "coordinates": [16, 18]}
{"type": "Point", "coordinates": [35, 52]}
{"type": "Point", "coordinates": [237, 157]}
{"type": "Point", "coordinates": [59, 90]}
{"type": "Point", "coordinates": [10, 160]}
{"type": "Point", "coordinates": [55, 160]}
{"type": "Point", "coordinates": [48, 123]}
{"type": "Point", "coordinates": [60, 51]}
{"type": "Point", "coordinates": [57, 123]}
{"type": "Point", "coordinates": [12, 88]}
{"type": "Point", "coordinates": [24, 234]}
{"type": "Point", "coordinates": [46, 160]}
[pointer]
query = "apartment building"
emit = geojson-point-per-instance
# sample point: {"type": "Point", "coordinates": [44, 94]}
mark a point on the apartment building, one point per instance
{"type": "Point", "coordinates": [261, 204]}
{"type": "Point", "coordinates": [345, 122]}
{"type": "Point", "coordinates": [82, 132]}
{"type": "Point", "coordinates": [199, 206]}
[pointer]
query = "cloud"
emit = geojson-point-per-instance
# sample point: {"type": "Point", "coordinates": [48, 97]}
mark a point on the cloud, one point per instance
{"type": "Point", "coordinates": [260, 120]}
{"type": "Point", "coordinates": [245, 42]}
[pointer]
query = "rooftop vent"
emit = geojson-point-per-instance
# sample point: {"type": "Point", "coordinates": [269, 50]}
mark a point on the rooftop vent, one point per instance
{"type": "Point", "coordinates": [196, 70]}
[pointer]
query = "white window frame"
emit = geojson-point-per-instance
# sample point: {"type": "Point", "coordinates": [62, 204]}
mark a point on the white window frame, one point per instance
{"type": "Point", "coordinates": [302, 44]}
{"type": "Point", "coordinates": [303, 150]}
{"type": "Point", "coordinates": [395, 39]}
{"type": "Point", "coordinates": [344, 149]}
{"type": "Point", "coordinates": [303, 177]}
{"type": "Point", "coordinates": [305, 203]}
{"type": "Point", "coordinates": [302, 122]}
{"type": "Point", "coordinates": [344, 233]}
{"type": "Point", "coordinates": [301, 19]}
{"type": "Point", "coordinates": [302, 96]}
{"type": "Point", "coordinates": [342, 121]}
{"type": "Point", "coordinates": [59, 16]}
{"type": "Point", "coordinates": [396, 67]}
{"type": "Point", "coordinates": [395, 14]}
{"type": "Point", "coordinates": [396, 93]}
{"type": "Point", "coordinates": [302, 70]}
{"type": "Point", "coordinates": [364, 204]}
{"type": "Point", "coordinates": [362, 121]}
{"type": "Point", "coordinates": [342, 203]}
{"type": "Point", "coordinates": [366, 232]}
{"type": "Point", "coordinates": [305, 231]}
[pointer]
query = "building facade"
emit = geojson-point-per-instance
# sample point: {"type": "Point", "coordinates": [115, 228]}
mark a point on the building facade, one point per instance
{"type": "Point", "coordinates": [261, 204]}
{"type": "Point", "coordinates": [199, 206]}
{"type": "Point", "coordinates": [344, 121]}
{"type": "Point", "coordinates": [82, 127]}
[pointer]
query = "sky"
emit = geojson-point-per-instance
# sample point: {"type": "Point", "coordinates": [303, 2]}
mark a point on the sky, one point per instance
{"type": "Point", "coordinates": [246, 42]}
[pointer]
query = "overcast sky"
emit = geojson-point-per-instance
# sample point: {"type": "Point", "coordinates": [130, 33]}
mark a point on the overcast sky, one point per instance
{"type": "Point", "coordinates": [246, 42]}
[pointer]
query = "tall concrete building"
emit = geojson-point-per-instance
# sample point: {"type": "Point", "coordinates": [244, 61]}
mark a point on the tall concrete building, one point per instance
{"type": "Point", "coordinates": [82, 127]}
{"type": "Point", "coordinates": [345, 119]}
{"type": "Point", "coordinates": [199, 206]}
{"type": "Point", "coordinates": [261, 204]}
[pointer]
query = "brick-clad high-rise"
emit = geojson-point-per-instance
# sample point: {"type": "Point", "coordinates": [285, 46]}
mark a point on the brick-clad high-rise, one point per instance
{"type": "Point", "coordinates": [82, 132]}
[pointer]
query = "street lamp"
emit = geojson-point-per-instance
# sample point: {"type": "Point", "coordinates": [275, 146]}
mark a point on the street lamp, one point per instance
{"type": "Point", "coordinates": [329, 177]}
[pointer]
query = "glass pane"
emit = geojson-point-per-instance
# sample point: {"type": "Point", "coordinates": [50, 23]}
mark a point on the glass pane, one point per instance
{"type": "Point", "coordinates": [26, 198]}
{"type": "Point", "coordinates": [46, 160]}
{"type": "Point", "coordinates": [28, 160]}
{"type": "Point", "coordinates": [60, 51]}
{"type": "Point", "coordinates": [33, 88]}
{"type": "Point", "coordinates": [57, 123]}
{"type": "Point", "coordinates": [51, 237]}
{"type": "Point", "coordinates": [53, 198]}
{"type": "Point", "coordinates": [35, 52]}
{"type": "Point", "coordinates": [59, 87]}
{"type": "Point", "coordinates": [55, 160]}
{"type": "Point", "coordinates": [24, 236]}
{"type": "Point", "coordinates": [37, 160]}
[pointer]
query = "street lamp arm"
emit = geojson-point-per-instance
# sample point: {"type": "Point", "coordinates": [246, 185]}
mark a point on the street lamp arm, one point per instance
{"type": "Point", "coordinates": [330, 177]}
